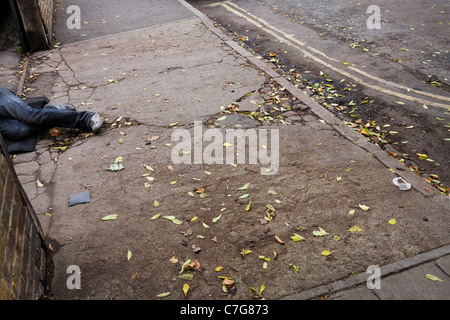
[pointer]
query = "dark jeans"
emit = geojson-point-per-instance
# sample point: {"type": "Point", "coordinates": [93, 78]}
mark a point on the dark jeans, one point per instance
{"type": "Point", "coordinates": [19, 121]}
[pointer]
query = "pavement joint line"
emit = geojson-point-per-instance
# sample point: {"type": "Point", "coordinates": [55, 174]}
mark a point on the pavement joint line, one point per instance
{"type": "Point", "coordinates": [120, 33]}
{"type": "Point", "coordinates": [338, 125]}
{"type": "Point", "coordinates": [360, 278]}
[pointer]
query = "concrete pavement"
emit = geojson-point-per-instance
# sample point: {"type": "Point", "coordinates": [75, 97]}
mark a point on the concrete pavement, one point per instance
{"type": "Point", "coordinates": [153, 82]}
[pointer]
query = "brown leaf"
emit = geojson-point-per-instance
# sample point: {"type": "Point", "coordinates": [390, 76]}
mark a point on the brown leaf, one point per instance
{"type": "Point", "coordinates": [195, 265]}
{"type": "Point", "coordinates": [151, 139]}
{"type": "Point", "coordinates": [199, 190]}
{"type": "Point", "coordinates": [393, 154]}
{"type": "Point", "coordinates": [196, 248]}
{"type": "Point", "coordinates": [228, 282]}
{"type": "Point", "coordinates": [278, 239]}
{"type": "Point", "coordinates": [54, 132]}
{"type": "Point", "coordinates": [170, 168]}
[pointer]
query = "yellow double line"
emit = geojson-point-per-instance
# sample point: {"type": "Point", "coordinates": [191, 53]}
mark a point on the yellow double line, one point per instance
{"type": "Point", "coordinates": [320, 58]}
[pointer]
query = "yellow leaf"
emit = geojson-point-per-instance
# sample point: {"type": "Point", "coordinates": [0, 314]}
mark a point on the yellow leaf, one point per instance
{"type": "Point", "coordinates": [194, 219]}
{"type": "Point", "coordinates": [218, 269]}
{"type": "Point", "coordinates": [355, 229]}
{"type": "Point", "coordinates": [185, 289]}
{"type": "Point", "coordinates": [392, 221]}
{"type": "Point", "coordinates": [422, 156]}
{"type": "Point", "coordinates": [325, 252]}
{"type": "Point", "coordinates": [364, 207]}
{"type": "Point", "coordinates": [261, 290]}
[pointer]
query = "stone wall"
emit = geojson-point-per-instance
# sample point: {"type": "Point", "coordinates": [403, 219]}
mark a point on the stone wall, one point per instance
{"type": "Point", "coordinates": [22, 244]}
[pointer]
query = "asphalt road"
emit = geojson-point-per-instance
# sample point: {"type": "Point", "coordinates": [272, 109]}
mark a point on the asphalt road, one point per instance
{"type": "Point", "coordinates": [390, 83]}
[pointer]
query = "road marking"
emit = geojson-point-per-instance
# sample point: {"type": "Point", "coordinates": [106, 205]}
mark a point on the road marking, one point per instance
{"type": "Point", "coordinates": [303, 47]}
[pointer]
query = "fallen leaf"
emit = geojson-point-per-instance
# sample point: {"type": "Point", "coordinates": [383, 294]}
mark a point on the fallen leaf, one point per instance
{"type": "Point", "coordinates": [173, 219]}
{"type": "Point", "coordinates": [162, 295]}
{"type": "Point", "coordinates": [244, 187]}
{"type": "Point", "coordinates": [185, 265]}
{"type": "Point", "coordinates": [116, 166]}
{"type": "Point", "coordinates": [129, 254]}
{"type": "Point", "coordinates": [216, 218]}
{"type": "Point", "coordinates": [185, 289]}
{"type": "Point", "coordinates": [39, 184]}
{"type": "Point", "coordinates": [422, 156]}
{"type": "Point", "coordinates": [433, 278]}
{"type": "Point", "coordinates": [195, 265]}
{"type": "Point", "coordinates": [355, 229]}
{"type": "Point", "coordinates": [174, 259]}
{"type": "Point", "coordinates": [228, 282]}
{"type": "Point", "coordinates": [392, 221]}
{"type": "Point", "coordinates": [244, 196]}
{"type": "Point", "coordinates": [186, 276]}
{"type": "Point", "coordinates": [261, 290]}
{"type": "Point", "coordinates": [247, 208]}
{"type": "Point", "coordinates": [196, 248]}
{"type": "Point", "coordinates": [364, 207]}
{"type": "Point", "coordinates": [297, 237]}
{"type": "Point", "coordinates": [320, 232]}
{"type": "Point", "coordinates": [218, 269]}
{"type": "Point", "coordinates": [156, 216]}
{"type": "Point", "coordinates": [245, 252]}
{"type": "Point", "coordinates": [156, 203]}
{"type": "Point", "coordinates": [325, 252]}
{"type": "Point", "coordinates": [110, 217]}
{"type": "Point", "coordinates": [279, 240]}
{"type": "Point", "coordinates": [170, 168]}
{"type": "Point", "coordinates": [199, 190]}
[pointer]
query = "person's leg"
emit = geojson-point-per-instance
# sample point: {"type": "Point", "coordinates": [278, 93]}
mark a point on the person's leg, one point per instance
{"type": "Point", "coordinates": [64, 106]}
{"type": "Point", "coordinates": [13, 107]}
{"type": "Point", "coordinates": [16, 130]}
